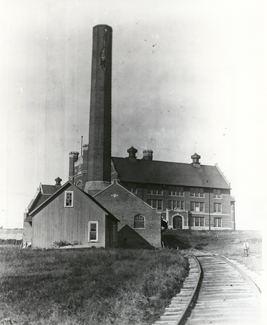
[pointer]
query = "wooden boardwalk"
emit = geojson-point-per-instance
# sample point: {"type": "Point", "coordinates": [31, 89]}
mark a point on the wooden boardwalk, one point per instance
{"type": "Point", "coordinates": [225, 295]}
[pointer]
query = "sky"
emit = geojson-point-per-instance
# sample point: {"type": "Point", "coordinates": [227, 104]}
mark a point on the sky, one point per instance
{"type": "Point", "coordinates": [187, 76]}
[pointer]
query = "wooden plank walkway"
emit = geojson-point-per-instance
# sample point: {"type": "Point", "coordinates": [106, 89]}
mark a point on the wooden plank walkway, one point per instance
{"type": "Point", "coordinates": [180, 303]}
{"type": "Point", "coordinates": [225, 295]}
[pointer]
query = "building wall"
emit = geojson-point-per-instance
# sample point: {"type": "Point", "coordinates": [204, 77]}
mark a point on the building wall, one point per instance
{"type": "Point", "coordinates": [27, 232]}
{"type": "Point", "coordinates": [56, 222]}
{"type": "Point", "coordinates": [227, 213]}
{"type": "Point", "coordinates": [111, 237]}
{"type": "Point", "coordinates": [125, 206]}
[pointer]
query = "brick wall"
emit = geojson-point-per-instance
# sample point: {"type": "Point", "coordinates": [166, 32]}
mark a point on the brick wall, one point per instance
{"type": "Point", "coordinates": [125, 206]}
{"type": "Point", "coordinates": [141, 191]}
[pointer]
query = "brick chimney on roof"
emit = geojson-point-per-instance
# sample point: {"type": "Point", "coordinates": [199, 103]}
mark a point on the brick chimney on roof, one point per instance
{"type": "Point", "coordinates": [148, 154]}
{"type": "Point", "coordinates": [73, 157]}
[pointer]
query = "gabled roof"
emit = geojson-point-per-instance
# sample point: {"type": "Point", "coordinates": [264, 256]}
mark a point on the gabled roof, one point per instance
{"type": "Point", "coordinates": [116, 183]}
{"type": "Point", "coordinates": [42, 194]}
{"type": "Point", "coordinates": [169, 173]}
{"type": "Point", "coordinates": [57, 193]}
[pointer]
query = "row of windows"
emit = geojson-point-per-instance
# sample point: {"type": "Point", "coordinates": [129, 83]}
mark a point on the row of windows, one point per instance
{"type": "Point", "coordinates": [197, 192]}
{"type": "Point", "coordinates": [197, 206]}
{"type": "Point", "coordinates": [155, 192]}
{"type": "Point", "coordinates": [173, 205]}
{"type": "Point", "coordinates": [200, 222]}
{"type": "Point", "coordinates": [200, 207]}
{"type": "Point", "coordinates": [158, 204]}
{"type": "Point", "coordinates": [179, 191]}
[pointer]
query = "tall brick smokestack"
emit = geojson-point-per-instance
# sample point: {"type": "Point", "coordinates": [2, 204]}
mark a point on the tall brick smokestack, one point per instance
{"type": "Point", "coordinates": [99, 162]}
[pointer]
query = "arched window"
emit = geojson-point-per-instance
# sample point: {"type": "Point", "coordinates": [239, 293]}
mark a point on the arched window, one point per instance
{"type": "Point", "coordinates": [139, 221]}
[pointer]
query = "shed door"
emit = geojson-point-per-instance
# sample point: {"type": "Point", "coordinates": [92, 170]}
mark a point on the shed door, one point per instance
{"type": "Point", "coordinates": [177, 222]}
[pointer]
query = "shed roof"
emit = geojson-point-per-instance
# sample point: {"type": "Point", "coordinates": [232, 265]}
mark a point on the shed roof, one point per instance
{"type": "Point", "coordinates": [169, 173]}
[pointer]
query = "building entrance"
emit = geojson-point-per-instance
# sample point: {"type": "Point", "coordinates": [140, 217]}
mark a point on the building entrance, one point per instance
{"type": "Point", "coordinates": [177, 222]}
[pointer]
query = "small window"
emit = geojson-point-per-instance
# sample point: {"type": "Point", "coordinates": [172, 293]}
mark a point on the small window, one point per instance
{"type": "Point", "coordinates": [93, 231]}
{"type": "Point", "coordinates": [154, 192]}
{"type": "Point", "coordinates": [217, 194]}
{"type": "Point", "coordinates": [68, 201]}
{"type": "Point", "coordinates": [139, 221]}
{"type": "Point", "coordinates": [134, 190]}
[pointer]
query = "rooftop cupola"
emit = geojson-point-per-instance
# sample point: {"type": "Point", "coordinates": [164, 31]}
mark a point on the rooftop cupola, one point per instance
{"type": "Point", "coordinates": [195, 161]}
{"type": "Point", "coordinates": [58, 182]}
{"type": "Point", "coordinates": [148, 154]}
{"type": "Point", "coordinates": [132, 153]}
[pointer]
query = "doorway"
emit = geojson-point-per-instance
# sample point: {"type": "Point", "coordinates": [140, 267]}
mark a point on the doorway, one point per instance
{"type": "Point", "coordinates": [177, 222]}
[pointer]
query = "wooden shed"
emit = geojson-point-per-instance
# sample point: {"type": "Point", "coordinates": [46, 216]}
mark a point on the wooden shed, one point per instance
{"type": "Point", "coordinates": [73, 216]}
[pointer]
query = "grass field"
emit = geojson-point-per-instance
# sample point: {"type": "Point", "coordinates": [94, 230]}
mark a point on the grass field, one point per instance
{"type": "Point", "coordinates": [225, 242]}
{"type": "Point", "coordinates": [89, 286]}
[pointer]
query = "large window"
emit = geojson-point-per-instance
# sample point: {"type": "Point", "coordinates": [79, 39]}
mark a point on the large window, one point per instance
{"type": "Point", "coordinates": [155, 203]}
{"type": "Point", "coordinates": [68, 199]}
{"type": "Point", "coordinates": [217, 207]}
{"type": "Point", "coordinates": [217, 222]}
{"type": "Point", "coordinates": [217, 194]}
{"type": "Point", "coordinates": [197, 206]}
{"type": "Point", "coordinates": [197, 192]}
{"type": "Point", "coordinates": [197, 222]}
{"type": "Point", "coordinates": [93, 231]}
{"type": "Point", "coordinates": [174, 205]}
{"type": "Point", "coordinates": [139, 221]}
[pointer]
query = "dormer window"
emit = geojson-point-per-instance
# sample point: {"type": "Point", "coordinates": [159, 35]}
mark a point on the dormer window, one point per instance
{"type": "Point", "coordinates": [68, 199]}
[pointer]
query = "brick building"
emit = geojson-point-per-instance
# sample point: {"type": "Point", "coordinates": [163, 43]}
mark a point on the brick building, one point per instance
{"type": "Point", "coordinates": [140, 224]}
{"type": "Point", "coordinates": [189, 196]}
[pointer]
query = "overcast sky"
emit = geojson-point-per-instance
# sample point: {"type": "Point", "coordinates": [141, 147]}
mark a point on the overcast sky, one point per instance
{"type": "Point", "coordinates": [188, 76]}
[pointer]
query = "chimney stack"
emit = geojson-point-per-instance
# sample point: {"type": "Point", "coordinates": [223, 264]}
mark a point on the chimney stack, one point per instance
{"type": "Point", "coordinates": [148, 154]}
{"type": "Point", "coordinates": [99, 162]}
{"type": "Point", "coordinates": [73, 156]}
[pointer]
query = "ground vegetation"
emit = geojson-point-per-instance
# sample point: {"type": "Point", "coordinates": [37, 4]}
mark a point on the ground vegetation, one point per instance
{"type": "Point", "coordinates": [88, 286]}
